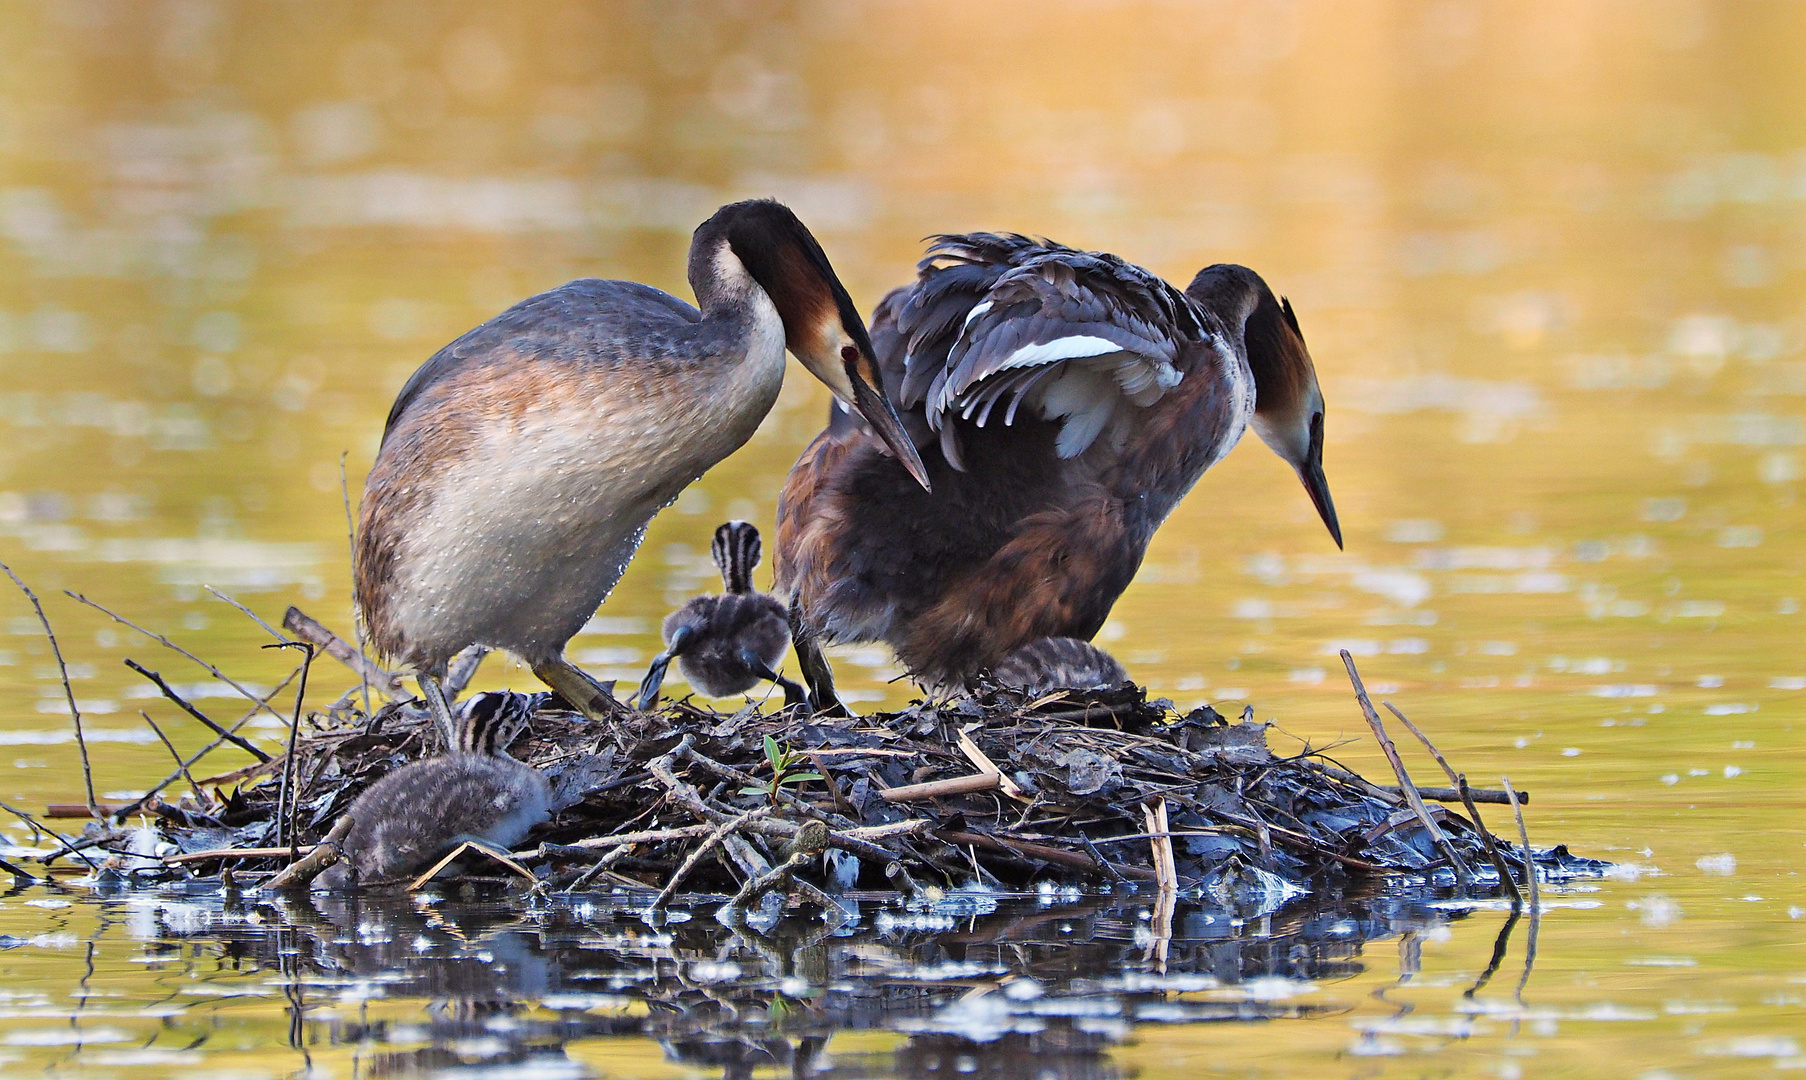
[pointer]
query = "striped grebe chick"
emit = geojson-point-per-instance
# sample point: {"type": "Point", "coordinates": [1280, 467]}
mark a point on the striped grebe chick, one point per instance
{"type": "Point", "coordinates": [521, 464]}
{"type": "Point", "coordinates": [1058, 663]}
{"type": "Point", "coordinates": [726, 644]}
{"type": "Point", "coordinates": [1064, 401]}
{"type": "Point", "coordinates": [410, 819]}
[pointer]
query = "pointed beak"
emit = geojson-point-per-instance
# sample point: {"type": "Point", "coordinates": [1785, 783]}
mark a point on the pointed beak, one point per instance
{"type": "Point", "coordinates": [869, 398]}
{"type": "Point", "coordinates": [1311, 472]}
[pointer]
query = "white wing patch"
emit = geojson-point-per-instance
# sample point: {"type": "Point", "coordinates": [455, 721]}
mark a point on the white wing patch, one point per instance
{"type": "Point", "coordinates": [977, 310]}
{"type": "Point", "coordinates": [1066, 348]}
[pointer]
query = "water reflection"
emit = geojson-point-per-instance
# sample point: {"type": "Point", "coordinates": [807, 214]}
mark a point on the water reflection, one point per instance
{"type": "Point", "coordinates": [1038, 988]}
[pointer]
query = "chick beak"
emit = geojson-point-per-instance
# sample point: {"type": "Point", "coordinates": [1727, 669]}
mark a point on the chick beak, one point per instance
{"type": "Point", "coordinates": [1311, 472]}
{"type": "Point", "coordinates": [869, 398]}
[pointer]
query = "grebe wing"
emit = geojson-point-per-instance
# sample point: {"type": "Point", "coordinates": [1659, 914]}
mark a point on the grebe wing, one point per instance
{"type": "Point", "coordinates": [996, 323]}
{"type": "Point", "coordinates": [587, 319]}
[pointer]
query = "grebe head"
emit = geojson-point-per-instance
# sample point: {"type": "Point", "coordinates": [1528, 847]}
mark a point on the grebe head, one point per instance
{"type": "Point", "coordinates": [1288, 406]}
{"type": "Point", "coordinates": [736, 550]}
{"type": "Point", "coordinates": [821, 325]}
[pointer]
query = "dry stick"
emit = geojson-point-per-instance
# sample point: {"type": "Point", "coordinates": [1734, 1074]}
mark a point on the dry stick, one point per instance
{"type": "Point", "coordinates": [601, 868]}
{"type": "Point", "coordinates": [283, 809]}
{"type": "Point", "coordinates": [357, 624]}
{"type": "Point", "coordinates": [1536, 894]}
{"type": "Point", "coordinates": [1467, 800]}
{"type": "Point", "coordinates": [1492, 848]}
{"type": "Point", "coordinates": [200, 797]}
{"type": "Point", "coordinates": [687, 750]}
{"type": "Point", "coordinates": [305, 627]}
{"type": "Point", "coordinates": [934, 789]}
{"type": "Point", "coordinates": [650, 836]}
{"type": "Point", "coordinates": [236, 740]}
{"type": "Point", "coordinates": [254, 617]}
{"type": "Point", "coordinates": [985, 765]}
{"type": "Point", "coordinates": [318, 857]}
{"type": "Point", "coordinates": [1433, 794]}
{"type": "Point", "coordinates": [1404, 778]}
{"type": "Point", "coordinates": [125, 811]}
{"type": "Point", "coordinates": [80, 743]}
{"type": "Point", "coordinates": [458, 852]}
{"type": "Point", "coordinates": [53, 834]}
{"type": "Point", "coordinates": [238, 853]}
{"type": "Point", "coordinates": [750, 862]}
{"type": "Point", "coordinates": [708, 844]}
{"type": "Point", "coordinates": [168, 644]}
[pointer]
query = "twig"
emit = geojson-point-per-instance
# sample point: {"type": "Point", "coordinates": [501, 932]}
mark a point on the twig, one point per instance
{"type": "Point", "coordinates": [1467, 800]}
{"type": "Point", "coordinates": [303, 626]}
{"type": "Point", "coordinates": [458, 852]}
{"type": "Point", "coordinates": [16, 872]}
{"type": "Point", "coordinates": [651, 836]}
{"type": "Point", "coordinates": [166, 643]}
{"type": "Point", "coordinates": [285, 812]}
{"type": "Point", "coordinates": [935, 789]}
{"type": "Point", "coordinates": [168, 692]}
{"type": "Point", "coordinates": [130, 808]}
{"type": "Point", "coordinates": [601, 867]}
{"type": "Point", "coordinates": [696, 854]}
{"type": "Point", "coordinates": [254, 617]}
{"type": "Point", "coordinates": [357, 623]}
{"type": "Point", "coordinates": [1433, 794]}
{"type": "Point", "coordinates": [200, 797]}
{"type": "Point", "coordinates": [53, 834]}
{"type": "Point", "coordinates": [318, 857]}
{"type": "Point", "coordinates": [808, 846]}
{"type": "Point", "coordinates": [1492, 848]}
{"type": "Point", "coordinates": [749, 861]}
{"type": "Point", "coordinates": [1024, 849]}
{"type": "Point", "coordinates": [238, 853]}
{"type": "Point", "coordinates": [1166, 869]}
{"type": "Point", "coordinates": [985, 765]}
{"type": "Point", "coordinates": [75, 712]}
{"type": "Point", "coordinates": [1536, 894]}
{"type": "Point", "coordinates": [1404, 778]}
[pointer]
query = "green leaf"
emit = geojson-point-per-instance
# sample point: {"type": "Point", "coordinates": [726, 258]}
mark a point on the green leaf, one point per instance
{"type": "Point", "coordinates": [797, 778]}
{"type": "Point", "coordinates": [753, 791]}
{"type": "Point", "coordinates": [774, 754]}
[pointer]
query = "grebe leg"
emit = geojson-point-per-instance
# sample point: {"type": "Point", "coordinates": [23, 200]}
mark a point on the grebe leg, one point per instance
{"type": "Point", "coordinates": [793, 694]}
{"type": "Point", "coordinates": [437, 705]}
{"type": "Point", "coordinates": [820, 677]}
{"type": "Point", "coordinates": [655, 675]}
{"type": "Point", "coordinates": [585, 694]}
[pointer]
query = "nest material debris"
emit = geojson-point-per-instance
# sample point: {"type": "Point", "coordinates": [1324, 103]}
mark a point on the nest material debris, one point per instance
{"type": "Point", "coordinates": [1097, 788]}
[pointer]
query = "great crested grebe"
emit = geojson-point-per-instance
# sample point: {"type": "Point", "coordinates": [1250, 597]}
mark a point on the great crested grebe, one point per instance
{"type": "Point", "coordinates": [1065, 401]}
{"type": "Point", "coordinates": [521, 463]}
{"type": "Point", "coordinates": [729, 643]}
{"type": "Point", "coordinates": [412, 817]}
{"type": "Point", "coordinates": [1058, 663]}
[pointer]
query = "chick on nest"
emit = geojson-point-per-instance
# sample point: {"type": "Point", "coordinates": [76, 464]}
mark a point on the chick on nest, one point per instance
{"type": "Point", "coordinates": [414, 816]}
{"type": "Point", "coordinates": [726, 644]}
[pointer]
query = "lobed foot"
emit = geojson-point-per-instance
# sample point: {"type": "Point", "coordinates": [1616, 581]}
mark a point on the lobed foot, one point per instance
{"type": "Point", "coordinates": [585, 694]}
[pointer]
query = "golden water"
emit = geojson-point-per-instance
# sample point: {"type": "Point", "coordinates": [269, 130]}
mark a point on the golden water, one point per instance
{"type": "Point", "coordinates": [1549, 257]}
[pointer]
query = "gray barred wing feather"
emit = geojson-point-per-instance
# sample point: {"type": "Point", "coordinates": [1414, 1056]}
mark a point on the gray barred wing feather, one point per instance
{"type": "Point", "coordinates": [999, 322]}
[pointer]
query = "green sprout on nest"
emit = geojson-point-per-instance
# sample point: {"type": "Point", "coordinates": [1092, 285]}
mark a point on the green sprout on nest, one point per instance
{"type": "Point", "coordinates": [787, 769]}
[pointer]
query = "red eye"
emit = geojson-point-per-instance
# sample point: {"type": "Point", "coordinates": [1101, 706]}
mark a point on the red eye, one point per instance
{"type": "Point", "coordinates": [849, 353]}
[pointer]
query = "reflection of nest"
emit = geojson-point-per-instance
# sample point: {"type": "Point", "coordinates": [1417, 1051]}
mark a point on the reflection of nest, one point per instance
{"type": "Point", "coordinates": [1060, 790]}
{"type": "Point", "coordinates": [1055, 984]}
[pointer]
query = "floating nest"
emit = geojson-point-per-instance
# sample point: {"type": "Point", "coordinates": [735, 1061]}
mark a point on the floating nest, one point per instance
{"type": "Point", "coordinates": [989, 792]}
